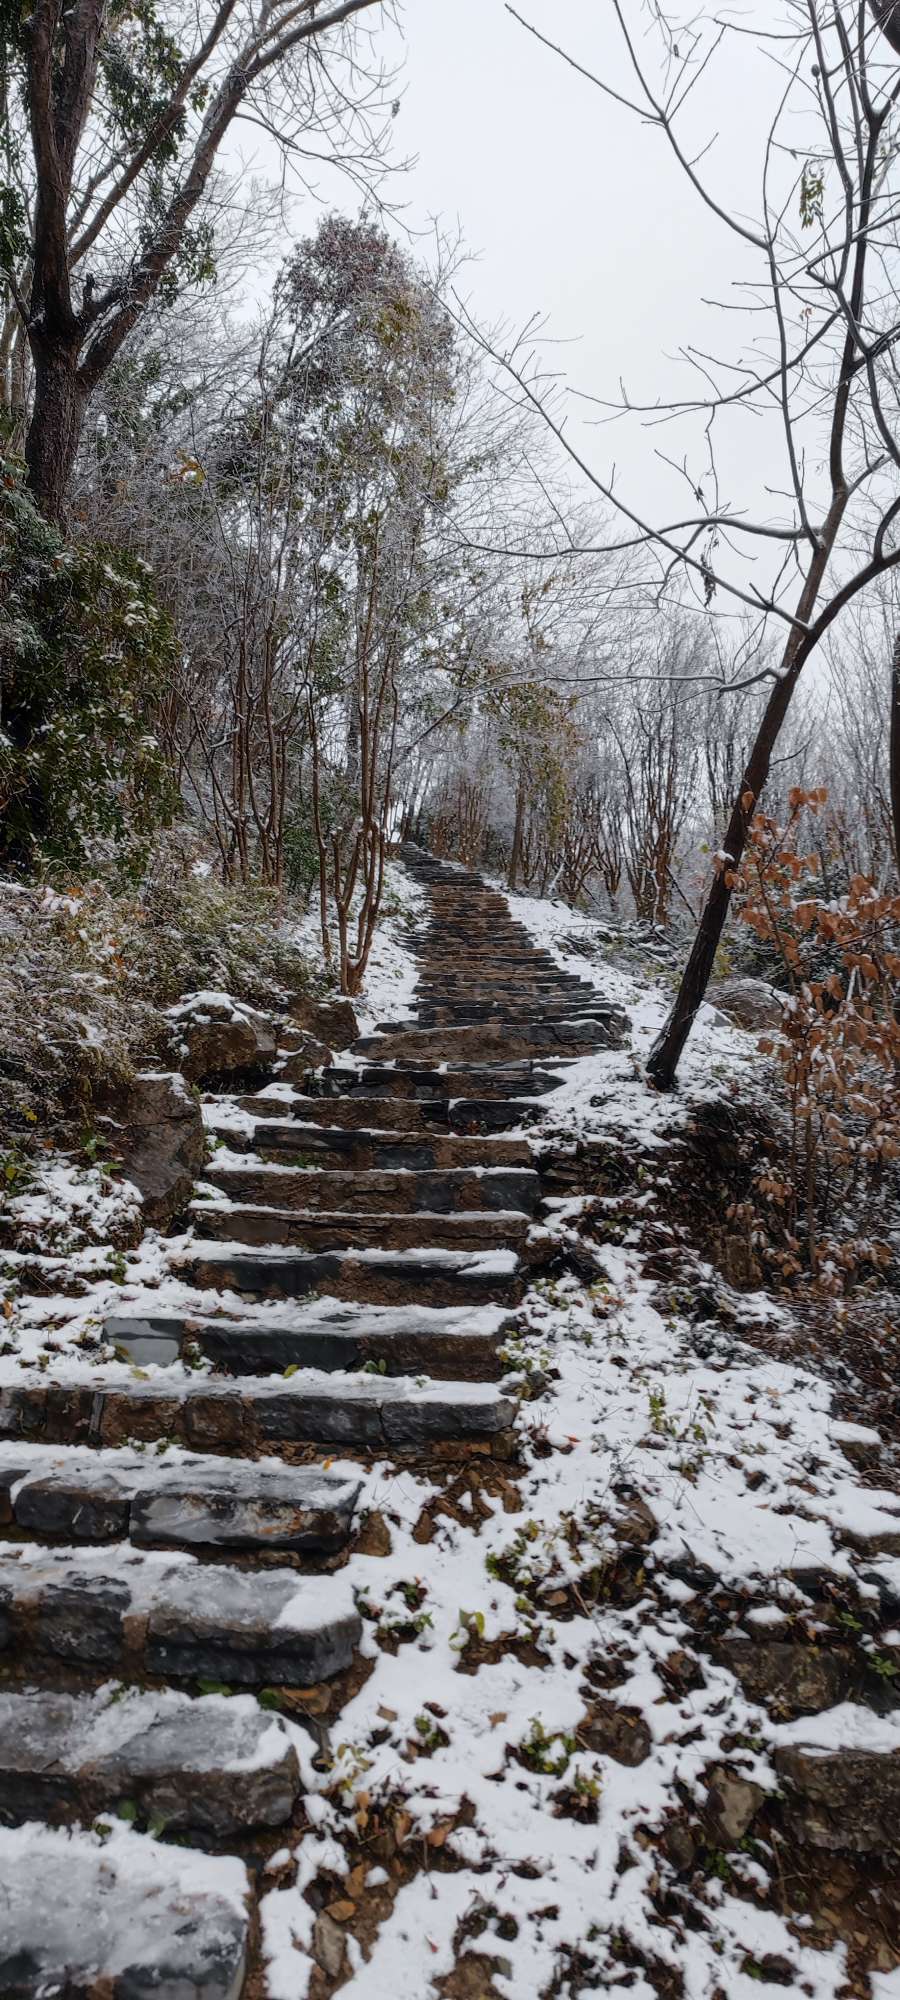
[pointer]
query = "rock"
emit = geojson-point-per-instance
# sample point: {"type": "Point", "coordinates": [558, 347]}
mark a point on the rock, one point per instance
{"type": "Point", "coordinates": [220, 1038]}
{"type": "Point", "coordinates": [732, 1803]}
{"type": "Point", "coordinates": [620, 1733]}
{"type": "Point", "coordinates": [679, 1846]}
{"type": "Point", "coordinates": [332, 1021]}
{"type": "Point", "coordinates": [843, 1800]}
{"type": "Point", "coordinates": [637, 1524]}
{"type": "Point", "coordinates": [788, 1679]}
{"type": "Point", "coordinates": [157, 1132]}
{"type": "Point", "coordinates": [120, 1920]}
{"type": "Point", "coordinates": [310, 1055]}
{"type": "Point", "coordinates": [751, 1003]}
{"type": "Point", "coordinates": [328, 1945]}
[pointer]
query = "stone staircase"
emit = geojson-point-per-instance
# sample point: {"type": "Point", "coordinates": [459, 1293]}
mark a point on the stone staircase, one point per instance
{"type": "Point", "coordinates": [355, 1271]}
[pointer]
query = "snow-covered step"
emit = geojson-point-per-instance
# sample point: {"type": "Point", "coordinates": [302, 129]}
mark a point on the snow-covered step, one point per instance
{"type": "Point", "coordinates": [129, 1612]}
{"type": "Point", "coordinates": [218, 1764]}
{"type": "Point", "coordinates": [451, 1080]}
{"type": "Point", "coordinates": [316, 1189]}
{"type": "Point", "coordinates": [250, 1224]}
{"type": "Point", "coordinates": [421, 1152]}
{"type": "Point", "coordinates": [200, 1502]}
{"type": "Point", "coordinates": [210, 1413]}
{"type": "Point", "coordinates": [374, 1277]}
{"type": "Point", "coordinates": [117, 1915]}
{"type": "Point", "coordinates": [323, 1334]}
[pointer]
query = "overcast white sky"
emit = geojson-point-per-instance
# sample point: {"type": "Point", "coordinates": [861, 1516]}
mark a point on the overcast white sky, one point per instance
{"type": "Point", "coordinates": [576, 212]}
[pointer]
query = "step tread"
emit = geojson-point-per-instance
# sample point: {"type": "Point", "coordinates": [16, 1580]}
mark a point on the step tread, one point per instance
{"type": "Point", "coordinates": [199, 1501]}
{"type": "Point", "coordinates": [119, 1913]}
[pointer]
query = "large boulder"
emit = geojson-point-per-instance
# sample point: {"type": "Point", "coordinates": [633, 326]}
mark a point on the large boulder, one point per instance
{"type": "Point", "coordinates": [786, 1678]}
{"type": "Point", "coordinates": [751, 1003]}
{"type": "Point", "coordinates": [156, 1129]}
{"type": "Point", "coordinates": [219, 1038]}
{"type": "Point", "coordinates": [332, 1021]}
{"type": "Point", "coordinates": [847, 1801]}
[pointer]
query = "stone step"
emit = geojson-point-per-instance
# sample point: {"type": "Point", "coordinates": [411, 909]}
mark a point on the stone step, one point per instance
{"type": "Point", "coordinates": [202, 1503]}
{"type": "Point", "coordinates": [217, 1764]}
{"type": "Point", "coordinates": [511, 1013]}
{"type": "Point", "coordinates": [490, 1114]}
{"type": "Point", "coordinates": [118, 1916]}
{"type": "Point", "coordinates": [134, 1613]}
{"type": "Point", "coordinates": [473, 1230]}
{"type": "Point", "coordinates": [374, 1277]}
{"type": "Point", "coordinates": [523, 1079]}
{"type": "Point", "coordinates": [210, 1413]}
{"type": "Point", "coordinates": [377, 1114]}
{"type": "Point", "coordinates": [306, 1145]}
{"type": "Point", "coordinates": [323, 1335]}
{"type": "Point", "coordinates": [563, 1037]}
{"type": "Point", "coordinates": [316, 1190]}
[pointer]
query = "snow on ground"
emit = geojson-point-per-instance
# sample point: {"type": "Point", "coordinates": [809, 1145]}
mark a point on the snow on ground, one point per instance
{"type": "Point", "coordinates": [550, 1863]}
{"type": "Point", "coordinates": [519, 1609]}
{"type": "Point", "coordinates": [392, 973]}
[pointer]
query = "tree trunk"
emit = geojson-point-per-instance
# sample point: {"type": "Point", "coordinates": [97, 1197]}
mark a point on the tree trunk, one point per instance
{"type": "Point", "coordinates": [894, 753]}
{"type": "Point", "coordinates": [667, 1050]}
{"type": "Point", "coordinates": [55, 425]}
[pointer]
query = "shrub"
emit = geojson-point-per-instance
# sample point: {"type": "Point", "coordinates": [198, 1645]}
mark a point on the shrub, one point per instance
{"type": "Point", "coordinates": [85, 655]}
{"type": "Point", "coordinates": [838, 1054]}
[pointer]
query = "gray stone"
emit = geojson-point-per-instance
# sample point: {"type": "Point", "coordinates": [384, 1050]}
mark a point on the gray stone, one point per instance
{"type": "Point", "coordinates": [157, 1131]}
{"type": "Point", "coordinates": [247, 1507]}
{"type": "Point", "coordinates": [846, 1801]}
{"type": "Point", "coordinates": [208, 1502]}
{"type": "Point", "coordinates": [125, 1921]}
{"type": "Point", "coordinates": [732, 1803]}
{"type": "Point", "coordinates": [329, 1945]}
{"type": "Point", "coordinates": [217, 1764]}
{"type": "Point", "coordinates": [752, 1003]}
{"type": "Point", "coordinates": [306, 1054]}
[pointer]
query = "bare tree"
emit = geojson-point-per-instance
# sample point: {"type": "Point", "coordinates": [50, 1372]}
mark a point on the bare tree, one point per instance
{"type": "Point", "coordinates": [826, 245]}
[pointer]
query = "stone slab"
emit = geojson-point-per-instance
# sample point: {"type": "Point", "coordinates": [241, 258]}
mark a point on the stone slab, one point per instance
{"type": "Point", "coordinates": [120, 1918]}
{"type": "Point", "coordinates": [217, 1764]}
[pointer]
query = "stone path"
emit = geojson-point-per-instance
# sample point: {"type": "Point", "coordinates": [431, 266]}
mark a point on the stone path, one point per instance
{"type": "Point", "coordinates": [393, 1219]}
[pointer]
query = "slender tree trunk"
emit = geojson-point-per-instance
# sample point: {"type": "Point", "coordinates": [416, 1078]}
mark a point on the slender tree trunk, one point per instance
{"type": "Point", "coordinates": [515, 859]}
{"type": "Point", "coordinates": [894, 753]}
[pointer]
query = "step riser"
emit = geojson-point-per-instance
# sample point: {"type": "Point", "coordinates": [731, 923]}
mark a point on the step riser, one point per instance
{"type": "Point", "coordinates": [560, 1038]}
{"type": "Point", "coordinates": [474, 1357]}
{"type": "Point", "coordinates": [359, 1151]}
{"type": "Point", "coordinates": [354, 1113]}
{"type": "Point", "coordinates": [523, 1079]}
{"type": "Point", "coordinates": [380, 1193]}
{"type": "Point", "coordinates": [283, 1279]}
{"type": "Point", "coordinates": [354, 1232]}
{"type": "Point", "coordinates": [251, 1418]}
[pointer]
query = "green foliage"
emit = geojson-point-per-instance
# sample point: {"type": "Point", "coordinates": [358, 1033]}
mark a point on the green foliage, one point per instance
{"type": "Point", "coordinates": [84, 655]}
